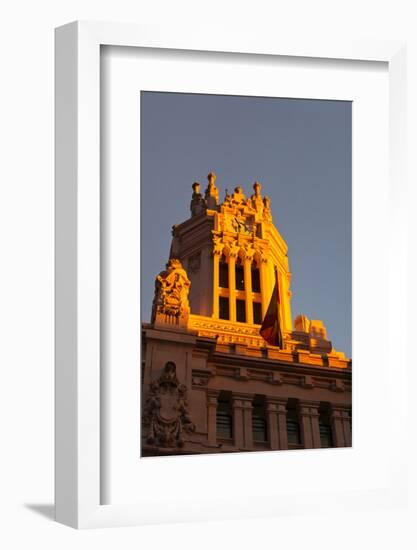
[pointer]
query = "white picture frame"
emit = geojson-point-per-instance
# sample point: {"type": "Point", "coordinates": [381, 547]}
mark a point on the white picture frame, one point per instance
{"type": "Point", "coordinates": [78, 449]}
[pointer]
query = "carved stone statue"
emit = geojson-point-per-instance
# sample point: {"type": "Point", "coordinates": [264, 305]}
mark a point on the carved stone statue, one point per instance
{"type": "Point", "coordinates": [256, 198]}
{"type": "Point", "coordinates": [198, 204]}
{"type": "Point", "coordinates": [227, 199]}
{"type": "Point", "coordinates": [238, 196]}
{"type": "Point", "coordinates": [267, 208]}
{"type": "Point", "coordinates": [165, 413]}
{"type": "Point", "coordinates": [212, 193]}
{"type": "Point", "coordinates": [170, 304]}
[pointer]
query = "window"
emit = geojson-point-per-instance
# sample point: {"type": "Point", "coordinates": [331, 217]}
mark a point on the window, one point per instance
{"type": "Point", "coordinates": [240, 277]}
{"type": "Point", "coordinates": [257, 313]}
{"type": "Point", "coordinates": [224, 419]}
{"type": "Point", "coordinates": [223, 273]}
{"type": "Point", "coordinates": [223, 307]}
{"type": "Point", "coordinates": [240, 311]}
{"type": "Point", "coordinates": [256, 279]}
{"type": "Point", "coordinates": [326, 436]}
{"type": "Point", "coordinates": [326, 439]}
{"type": "Point", "coordinates": [293, 424]}
{"type": "Point", "coordinates": [259, 425]}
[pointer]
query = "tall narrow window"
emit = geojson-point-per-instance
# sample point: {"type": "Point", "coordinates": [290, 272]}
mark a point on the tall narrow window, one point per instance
{"type": "Point", "coordinates": [240, 276]}
{"type": "Point", "coordinates": [326, 436]}
{"type": "Point", "coordinates": [257, 313]}
{"type": "Point", "coordinates": [259, 428]}
{"type": "Point", "coordinates": [326, 439]}
{"type": "Point", "coordinates": [223, 307]}
{"type": "Point", "coordinates": [293, 424]}
{"type": "Point", "coordinates": [224, 418]}
{"type": "Point", "coordinates": [223, 272]}
{"type": "Point", "coordinates": [241, 311]}
{"type": "Point", "coordinates": [256, 279]}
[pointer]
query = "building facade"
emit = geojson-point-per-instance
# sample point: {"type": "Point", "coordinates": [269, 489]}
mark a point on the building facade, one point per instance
{"type": "Point", "coordinates": [210, 382]}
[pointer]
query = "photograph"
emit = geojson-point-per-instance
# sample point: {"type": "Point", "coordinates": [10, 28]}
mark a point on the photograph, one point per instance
{"type": "Point", "coordinates": [246, 261]}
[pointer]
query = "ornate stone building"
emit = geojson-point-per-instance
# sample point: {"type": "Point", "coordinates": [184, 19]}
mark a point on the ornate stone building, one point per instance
{"type": "Point", "coordinates": [210, 382]}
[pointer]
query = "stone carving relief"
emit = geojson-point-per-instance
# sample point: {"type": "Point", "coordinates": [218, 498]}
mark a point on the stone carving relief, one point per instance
{"type": "Point", "coordinates": [165, 413]}
{"type": "Point", "coordinates": [172, 286]}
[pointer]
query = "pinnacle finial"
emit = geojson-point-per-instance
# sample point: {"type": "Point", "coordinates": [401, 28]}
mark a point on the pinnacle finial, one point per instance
{"type": "Point", "coordinates": [257, 188]}
{"type": "Point", "coordinates": [211, 178]}
{"type": "Point", "coordinates": [212, 193]}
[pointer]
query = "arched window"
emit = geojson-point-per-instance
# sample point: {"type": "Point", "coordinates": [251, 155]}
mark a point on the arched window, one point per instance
{"type": "Point", "coordinates": [256, 278]}
{"type": "Point", "coordinates": [223, 272]}
{"type": "Point", "coordinates": [240, 276]}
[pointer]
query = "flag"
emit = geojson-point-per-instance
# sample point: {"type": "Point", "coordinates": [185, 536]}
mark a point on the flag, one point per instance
{"type": "Point", "coordinates": [271, 327]}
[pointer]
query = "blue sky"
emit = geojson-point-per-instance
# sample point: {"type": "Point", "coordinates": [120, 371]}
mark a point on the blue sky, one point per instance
{"type": "Point", "coordinates": [300, 151]}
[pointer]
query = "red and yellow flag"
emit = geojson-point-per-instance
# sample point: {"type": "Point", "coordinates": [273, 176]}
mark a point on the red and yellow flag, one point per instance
{"type": "Point", "coordinates": [271, 327]}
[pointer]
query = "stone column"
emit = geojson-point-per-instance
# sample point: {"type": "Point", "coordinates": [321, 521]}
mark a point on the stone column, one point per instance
{"type": "Point", "coordinates": [347, 427]}
{"type": "Point", "coordinates": [340, 422]}
{"type": "Point", "coordinates": [242, 420]}
{"type": "Point", "coordinates": [247, 266]}
{"type": "Point", "coordinates": [247, 422]}
{"type": "Point", "coordinates": [309, 420]}
{"type": "Point", "coordinates": [212, 417]}
{"type": "Point", "coordinates": [263, 267]}
{"type": "Point", "coordinates": [277, 423]}
{"type": "Point", "coordinates": [286, 299]}
{"type": "Point", "coordinates": [238, 422]}
{"type": "Point", "coordinates": [282, 299]}
{"type": "Point", "coordinates": [216, 263]}
{"type": "Point", "coordinates": [232, 287]}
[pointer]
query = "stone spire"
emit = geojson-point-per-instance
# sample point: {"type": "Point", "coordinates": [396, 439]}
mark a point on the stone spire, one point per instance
{"type": "Point", "coordinates": [212, 193]}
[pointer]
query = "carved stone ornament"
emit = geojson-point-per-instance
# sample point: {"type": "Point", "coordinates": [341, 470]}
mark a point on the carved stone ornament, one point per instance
{"type": "Point", "coordinates": [165, 412]}
{"type": "Point", "coordinates": [170, 304]}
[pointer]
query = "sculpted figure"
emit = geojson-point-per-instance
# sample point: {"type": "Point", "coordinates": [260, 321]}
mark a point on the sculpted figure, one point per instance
{"type": "Point", "coordinates": [267, 208]}
{"type": "Point", "coordinates": [256, 198]}
{"type": "Point", "coordinates": [171, 292]}
{"type": "Point", "coordinates": [238, 197]}
{"type": "Point", "coordinates": [165, 412]}
{"type": "Point", "coordinates": [198, 205]}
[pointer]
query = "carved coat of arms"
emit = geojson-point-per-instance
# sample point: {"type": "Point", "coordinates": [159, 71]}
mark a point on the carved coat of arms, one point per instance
{"type": "Point", "coordinates": [166, 410]}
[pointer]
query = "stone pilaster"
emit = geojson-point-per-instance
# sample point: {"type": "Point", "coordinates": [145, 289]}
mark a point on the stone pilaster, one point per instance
{"type": "Point", "coordinates": [242, 421]}
{"type": "Point", "coordinates": [247, 423]}
{"type": "Point", "coordinates": [263, 268]}
{"type": "Point", "coordinates": [232, 286]}
{"type": "Point", "coordinates": [309, 420]}
{"type": "Point", "coordinates": [247, 266]}
{"type": "Point", "coordinates": [216, 263]}
{"type": "Point", "coordinates": [277, 423]}
{"type": "Point", "coordinates": [212, 416]}
{"type": "Point", "coordinates": [341, 430]}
